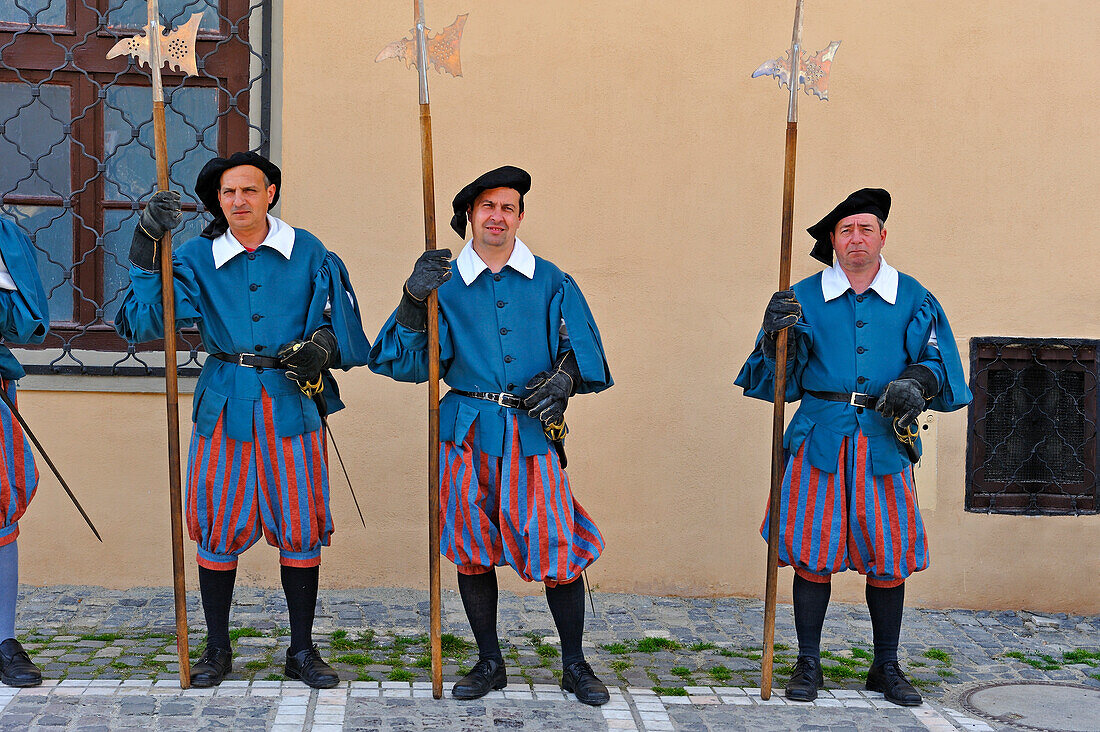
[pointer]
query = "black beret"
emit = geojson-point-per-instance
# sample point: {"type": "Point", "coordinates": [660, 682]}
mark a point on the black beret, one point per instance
{"type": "Point", "coordinates": [874, 201]}
{"type": "Point", "coordinates": [507, 176]}
{"type": "Point", "coordinates": [210, 178]}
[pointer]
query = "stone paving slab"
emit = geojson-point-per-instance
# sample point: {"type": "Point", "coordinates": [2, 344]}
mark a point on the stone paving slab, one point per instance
{"type": "Point", "coordinates": [694, 661]}
{"type": "Point", "coordinates": [363, 706]}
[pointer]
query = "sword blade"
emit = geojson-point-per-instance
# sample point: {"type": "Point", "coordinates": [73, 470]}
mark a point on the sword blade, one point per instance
{"type": "Point", "coordinates": [589, 584]}
{"type": "Point", "coordinates": [346, 476]}
{"type": "Point", "coordinates": [46, 457]}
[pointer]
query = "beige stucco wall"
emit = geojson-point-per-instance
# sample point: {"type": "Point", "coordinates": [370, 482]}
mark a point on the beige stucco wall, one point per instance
{"type": "Point", "coordinates": [657, 183]}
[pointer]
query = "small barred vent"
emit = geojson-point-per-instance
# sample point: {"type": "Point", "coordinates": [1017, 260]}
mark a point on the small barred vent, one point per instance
{"type": "Point", "coordinates": [1032, 438]}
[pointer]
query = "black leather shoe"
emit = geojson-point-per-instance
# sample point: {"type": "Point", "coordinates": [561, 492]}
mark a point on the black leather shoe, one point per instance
{"type": "Point", "coordinates": [579, 678]}
{"type": "Point", "coordinates": [487, 675]}
{"type": "Point", "coordinates": [889, 679]}
{"type": "Point", "coordinates": [308, 666]}
{"type": "Point", "coordinates": [805, 681]}
{"type": "Point", "coordinates": [212, 667]}
{"type": "Point", "coordinates": [16, 667]}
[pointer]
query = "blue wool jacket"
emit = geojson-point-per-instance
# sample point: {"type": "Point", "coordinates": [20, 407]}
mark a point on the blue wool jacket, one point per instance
{"type": "Point", "coordinates": [24, 313]}
{"type": "Point", "coordinates": [857, 343]}
{"type": "Point", "coordinates": [494, 335]}
{"type": "Point", "coordinates": [255, 303]}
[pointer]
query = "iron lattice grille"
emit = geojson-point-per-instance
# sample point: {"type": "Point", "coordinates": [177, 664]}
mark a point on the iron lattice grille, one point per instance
{"type": "Point", "coordinates": [76, 148]}
{"type": "Point", "coordinates": [1032, 436]}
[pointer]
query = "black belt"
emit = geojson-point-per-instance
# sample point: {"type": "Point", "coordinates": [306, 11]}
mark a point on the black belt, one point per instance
{"type": "Point", "coordinates": [249, 359]}
{"type": "Point", "coordinates": [503, 398]}
{"type": "Point", "coordinates": [855, 398]}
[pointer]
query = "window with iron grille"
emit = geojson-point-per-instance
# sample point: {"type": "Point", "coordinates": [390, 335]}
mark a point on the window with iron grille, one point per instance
{"type": "Point", "coordinates": [1032, 428]}
{"type": "Point", "coordinates": [76, 148]}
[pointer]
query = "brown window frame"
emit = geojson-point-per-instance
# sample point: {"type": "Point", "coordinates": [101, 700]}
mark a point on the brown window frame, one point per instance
{"type": "Point", "coordinates": [74, 55]}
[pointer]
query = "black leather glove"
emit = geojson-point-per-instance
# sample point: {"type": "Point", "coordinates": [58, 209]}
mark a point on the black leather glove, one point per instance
{"type": "Point", "coordinates": [783, 311]}
{"type": "Point", "coordinates": [305, 360]}
{"type": "Point", "coordinates": [550, 391]}
{"type": "Point", "coordinates": [161, 214]}
{"type": "Point", "coordinates": [431, 270]}
{"type": "Point", "coordinates": [906, 397]}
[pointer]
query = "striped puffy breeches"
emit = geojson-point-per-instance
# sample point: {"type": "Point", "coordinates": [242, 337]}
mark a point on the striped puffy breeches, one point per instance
{"type": "Point", "coordinates": [851, 520]}
{"type": "Point", "coordinates": [513, 510]}
{"type": "Point", "coordinates": [18, 473]}
{"type": "Point", "coordinates": [275, 484]}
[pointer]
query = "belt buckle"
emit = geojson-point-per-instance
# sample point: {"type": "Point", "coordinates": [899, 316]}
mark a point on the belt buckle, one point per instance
{"type": "Point", "coordinates": [505, 399]}
{"type": "Point", "coordinates": [240, 360]}
{"type": "Point", "coordinates": [855, 394]}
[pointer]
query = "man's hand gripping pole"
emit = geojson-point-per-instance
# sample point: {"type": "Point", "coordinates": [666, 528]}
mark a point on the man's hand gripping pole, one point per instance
{"type": "Point", "coordinates": [178, 49]}
{"type": "Point", "coordinates": [442, 51]}
{"type": "Point", "coordinates": [813, 74]}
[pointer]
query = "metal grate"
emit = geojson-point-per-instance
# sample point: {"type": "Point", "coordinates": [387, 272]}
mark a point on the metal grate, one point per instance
{"type": "Point", "coordinates": [76, 149]}
{"type": "Point", "coordinates": [1032, 436]}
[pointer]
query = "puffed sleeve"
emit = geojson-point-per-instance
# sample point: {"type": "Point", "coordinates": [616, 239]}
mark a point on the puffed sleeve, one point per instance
{"type": "Point", "coordinates": [402, 353]}
{"type": "Point", "coordinates": [24, 312]}
{"type": "Point", "coordinates": [568, 306]}
{"type": "Point", "coordinates": [140, 318]}
{"type": "Point", "coordinates": [942, 358]}
{"type": "Point", "coordinates": [334, 303]}
{"type": "Point", "coordinates": [757, 376]}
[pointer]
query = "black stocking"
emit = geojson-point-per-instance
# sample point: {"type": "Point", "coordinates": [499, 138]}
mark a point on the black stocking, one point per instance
{"type": "Point", "coordinates": [567, 606]}
{"type": "Point", "coordinates": [885, 605]}
{"type": "Point", "coordinates": [811, 601]}
{"type": "Point", "coordinates": [300, 587]}
{"type": "Point", "coordinates": [216, 589]}
{"type": "Point", "coordinates": [479, 598]}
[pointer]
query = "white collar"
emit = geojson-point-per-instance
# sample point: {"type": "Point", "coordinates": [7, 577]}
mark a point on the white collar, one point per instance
{"type": "Point", "coordinates": [470, 265]}
{"type": "Point", "coordinates": [280, 237]}
{"type": "Point", "coordinates": [834, 282]}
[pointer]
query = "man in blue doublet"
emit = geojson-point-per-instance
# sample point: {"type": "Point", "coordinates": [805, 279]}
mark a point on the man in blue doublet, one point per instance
{"type": "Point", "coordinates": [869, 349]}
{"type": "Point", "coordinates": [517, 340]}
{"type": "Point", "coordinates": [24, 318]}
{"type": "Point", "coordinates": [276, 312]}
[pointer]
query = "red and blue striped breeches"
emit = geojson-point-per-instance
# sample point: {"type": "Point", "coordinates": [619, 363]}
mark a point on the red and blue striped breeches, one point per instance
{"type": "Point", "coordinates": [851, 520]}
{"type": "Point", "coordinates": [18, 473]}
{"type": "Point", "coordinates": [513, 510]}
{"type": "Point", "coordinates": [275, 484]}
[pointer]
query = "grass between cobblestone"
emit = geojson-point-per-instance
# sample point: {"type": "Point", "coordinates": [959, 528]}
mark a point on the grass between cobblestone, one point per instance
{"type": "Point", "coordinates": [667, 665]}
{"type": "Point", "coordinates": [704, 663]}
{"type": "Point", "coordinates": [1046, 662]}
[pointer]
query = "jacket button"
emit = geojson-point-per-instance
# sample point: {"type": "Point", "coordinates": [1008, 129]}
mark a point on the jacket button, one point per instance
{"type": "Point", "coordinates": [259, 348]}
{"type": "Point", "coordinates": [251, 255]}
{"type": "Point", "coordinates": [504, 331]}
{"type": "Point", "coordinates": [496, 277]}
{"type": "Point", "coordinates": [259, 369]}
{"type": "Point", "coordinates": [253, 287]}
{"type": "Point", "coordinates": [861, 380]}
{"type": "Point", "coordinates": [859, 410]}
{"type": "Point", "coordinates": [507, 359]}
{"type": "Point", "coordinates": [500, 303]}
{"type": "Point", "coordinates": [511, 387]}
{"type": "Point", "coordinates": [256, 318]}
{"type": "Point", "coordinates": [860, 323]}
{"type": "Point", "coordinates": [861, 349]}
{"type": "Point", "coordinates": [859, 298]}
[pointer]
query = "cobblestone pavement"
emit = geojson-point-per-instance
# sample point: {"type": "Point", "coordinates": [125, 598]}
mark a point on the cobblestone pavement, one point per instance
{"type": "Point", "coordinates": [688, 664]}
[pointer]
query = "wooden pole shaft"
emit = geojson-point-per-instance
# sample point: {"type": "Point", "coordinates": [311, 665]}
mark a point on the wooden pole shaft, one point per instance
{"type": "Point", "coordinates": [435, 601]}
{"type": "Point", "coordinates": [779, 402]}
{"type": "Point", "coordinates": [171, 393]}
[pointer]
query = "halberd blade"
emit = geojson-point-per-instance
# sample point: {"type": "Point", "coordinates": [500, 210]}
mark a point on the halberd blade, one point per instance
{"type": "Point", "coordinates": [443, 49]}
{"type": "Point", "coordinates": [813, 71]}
{"type": "Point", "coordinates": [176, 48]}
